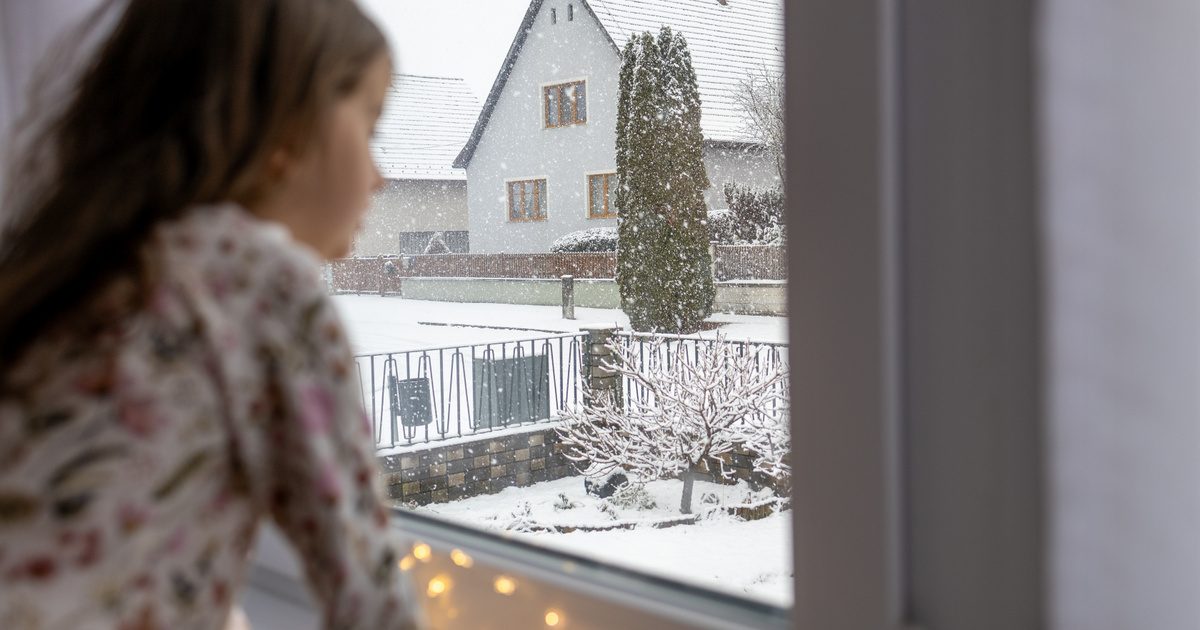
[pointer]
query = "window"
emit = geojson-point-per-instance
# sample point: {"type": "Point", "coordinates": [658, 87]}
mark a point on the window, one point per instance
{"type": "Point", "coordinates": [527, 200]}
{"type": "Point", "coordinates": [565, 104]}
{"type": "Point", "coordinates": [602, 196]}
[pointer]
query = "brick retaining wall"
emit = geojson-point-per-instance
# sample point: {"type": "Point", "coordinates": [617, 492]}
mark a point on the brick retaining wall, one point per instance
{"type": "Point", "coordinates": [449, 473]}
{"type": "Point", "coordinates": [441, 474]}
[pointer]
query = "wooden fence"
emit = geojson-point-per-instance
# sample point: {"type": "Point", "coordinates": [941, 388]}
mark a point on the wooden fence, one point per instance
{"type": "Point", "coordinates": [370, 275]}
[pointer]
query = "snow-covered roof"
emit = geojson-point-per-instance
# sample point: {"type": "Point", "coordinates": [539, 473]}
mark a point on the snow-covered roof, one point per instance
{"type": "Point", "coordinates": [728, 42]}
{"type": "Point", "coordinates": [425, 122]}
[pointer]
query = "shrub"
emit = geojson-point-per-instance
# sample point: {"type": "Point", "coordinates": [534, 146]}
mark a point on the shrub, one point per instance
{"type": "Point", "coordinates": [602, 239]}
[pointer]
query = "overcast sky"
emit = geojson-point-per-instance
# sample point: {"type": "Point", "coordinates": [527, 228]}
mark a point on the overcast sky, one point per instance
{"type": "Point", "coordinates": [451, 38]}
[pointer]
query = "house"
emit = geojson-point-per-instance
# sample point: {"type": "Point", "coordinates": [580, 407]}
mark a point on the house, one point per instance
{"type": "Point", "coordinates": [541, 159]}
{"type": "Point", "coordinates": [424, 124]}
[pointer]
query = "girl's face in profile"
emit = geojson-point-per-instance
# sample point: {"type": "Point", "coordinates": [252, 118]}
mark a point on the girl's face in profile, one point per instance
{"type": "Point", "coordinates": [326, 191]}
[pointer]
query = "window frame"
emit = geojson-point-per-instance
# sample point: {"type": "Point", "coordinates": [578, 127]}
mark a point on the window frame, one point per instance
{"type": "Point", "coordinates": [544, 206]}
{"type": "Point", "coordinates": [545, 105]}
{"type": "Point", "coordinates": [609, 203]}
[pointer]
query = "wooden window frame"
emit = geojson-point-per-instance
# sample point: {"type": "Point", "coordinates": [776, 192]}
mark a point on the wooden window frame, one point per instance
{"type": "Point", "coordinates": [539, 204]}
{"type": "Point", "coordinates": [608, 211]}
{"type": "Point", "coordinates": [575, 118]}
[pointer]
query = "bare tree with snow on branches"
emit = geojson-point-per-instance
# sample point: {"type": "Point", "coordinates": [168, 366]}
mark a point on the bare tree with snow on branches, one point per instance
{"type": "Point", "coordinates": [760, 95]}
{"type": "Point", "coordinates": [689, 405]}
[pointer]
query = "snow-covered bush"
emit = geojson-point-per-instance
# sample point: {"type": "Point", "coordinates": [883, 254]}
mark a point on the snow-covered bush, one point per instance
{"type": "Point", "coordinates": [601, 239]}
{"type": "Point", "coordinates": [633, 496]}
{"type": "Point", "coordinates": [521, 519]}
{"type": "Point", "coordinates": [775, 235]}
{"type": "Point", "coordinates": [437, 244]}
{"type": "Point", "coordinates": [699, 403]}
{"type": "Point", "coordinates": [722, 226]}
{"type": "Point", "coordinates": [756, 215]}
{"type": "Point", "coordinates": [564, 503]}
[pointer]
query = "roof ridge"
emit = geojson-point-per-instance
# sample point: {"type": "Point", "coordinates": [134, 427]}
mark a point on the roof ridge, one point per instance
{"type": "Point", "coordinates": [427, 76]}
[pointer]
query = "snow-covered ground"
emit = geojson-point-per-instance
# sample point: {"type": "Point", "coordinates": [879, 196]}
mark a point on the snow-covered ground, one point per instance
{"type": "Point", "coordinates": [392, 324]}
{"type": "Point", "coordinates": [749, 558]}
{"type": "Point", "coordinates": [721, 552]}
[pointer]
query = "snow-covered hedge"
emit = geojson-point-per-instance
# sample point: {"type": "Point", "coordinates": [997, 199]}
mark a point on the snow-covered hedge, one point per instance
{"type": "Point", "coordinates": [602, 239]}
{"type": "Point", "coordinates": [722, 226]}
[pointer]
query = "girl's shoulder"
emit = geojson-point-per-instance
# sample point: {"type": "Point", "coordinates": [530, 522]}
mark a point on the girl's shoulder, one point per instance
{"type": "Point", "coordinates": [226, 242]}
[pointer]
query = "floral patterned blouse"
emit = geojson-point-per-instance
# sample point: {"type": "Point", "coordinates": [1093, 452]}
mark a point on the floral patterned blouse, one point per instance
{"type": "Point", "coordinates": [138, 454]}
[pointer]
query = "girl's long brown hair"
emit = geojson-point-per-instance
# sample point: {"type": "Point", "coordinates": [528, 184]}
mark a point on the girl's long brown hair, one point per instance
{"type": "Point", "coordinates": [181, 104]}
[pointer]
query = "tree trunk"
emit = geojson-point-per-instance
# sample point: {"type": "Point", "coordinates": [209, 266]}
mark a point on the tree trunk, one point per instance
{"type": "Point", "coordinates": [689, 479]}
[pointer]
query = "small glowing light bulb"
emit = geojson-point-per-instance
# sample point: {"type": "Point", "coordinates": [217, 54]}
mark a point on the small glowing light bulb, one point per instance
{"type": "Point", "coordinates": [422, 552]}
{"type": "Point", "coordinates": [505, 585]}
{"type": "Point", "coordinates": [552, 618]}
{"type": "Point", "coordinates": [407, 562]}
{"type": "Point", "coordinates": [437, 586]}
{"type": "Point", "coordinates": [461, 559]}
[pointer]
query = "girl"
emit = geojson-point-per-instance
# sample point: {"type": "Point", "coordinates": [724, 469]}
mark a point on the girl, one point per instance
{"type": "Point", "coordinates": [171, 370]}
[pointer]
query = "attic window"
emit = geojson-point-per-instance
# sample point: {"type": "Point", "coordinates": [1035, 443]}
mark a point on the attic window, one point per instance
{"type": "Point", "coordinates": [554, 16]}
{"type": "Point", "coordinates": [570, 13]}
{"type": "Point", "coordinates": [565, 104]}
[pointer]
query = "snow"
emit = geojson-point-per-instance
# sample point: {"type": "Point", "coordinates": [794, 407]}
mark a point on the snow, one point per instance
{"type": "Point", "coordinates": [391, 324]}
{"type": "Point", "coordinates": [746, 558]}
{"type": "Point", "coordinates": [720, 552]}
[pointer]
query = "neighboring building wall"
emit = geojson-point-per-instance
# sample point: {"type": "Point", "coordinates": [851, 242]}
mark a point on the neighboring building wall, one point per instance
{"type": "Point", "coordinates": [516, 145]}
{"type": "Point", "coordinates": [409, 205]}
{"type": "Point", "coordinates": [724, 165]}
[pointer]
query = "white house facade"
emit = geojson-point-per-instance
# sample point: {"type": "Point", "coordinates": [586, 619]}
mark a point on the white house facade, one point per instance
{"type": "Point", "coordinates": [541, 160]}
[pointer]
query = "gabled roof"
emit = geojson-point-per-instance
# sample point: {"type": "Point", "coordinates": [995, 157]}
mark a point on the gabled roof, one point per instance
{"type": "Point", "coordinates": [424, 124]}
{"type": "Point", "coordinates": [727, 41]}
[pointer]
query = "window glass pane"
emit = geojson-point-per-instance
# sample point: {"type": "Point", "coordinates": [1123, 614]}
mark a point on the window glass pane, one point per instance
{"type": "Point", "coordinates": [580, 102]}
{"type": "Point", "coordinates": [551, 107]}
{"type": "Point", "coordinates": [540, 212]}
{"type": "Point", "coordinates": [514, 201]}
{"type": "Point", "coordinates": [468, 415]}
{"type": "Point", "coordinates": [594, 185]}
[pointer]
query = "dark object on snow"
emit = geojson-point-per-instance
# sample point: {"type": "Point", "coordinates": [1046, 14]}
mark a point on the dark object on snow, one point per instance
{"type": "Point", "coordinates": [606, 486]}
{"type": "Point", "coordinates": [389, 269]}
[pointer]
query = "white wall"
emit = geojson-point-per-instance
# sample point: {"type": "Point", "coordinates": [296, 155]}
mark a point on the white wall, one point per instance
{"type": "Point", "coordinates": [516, 145]}
{"type": "Point", "coordinates": [1121, 96]}
{"type": "Point", "coordinates": [411, 206]}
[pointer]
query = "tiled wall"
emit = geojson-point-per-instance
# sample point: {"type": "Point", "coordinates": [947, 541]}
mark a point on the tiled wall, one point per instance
{"type": "Point", "coordinates": [449, 473]}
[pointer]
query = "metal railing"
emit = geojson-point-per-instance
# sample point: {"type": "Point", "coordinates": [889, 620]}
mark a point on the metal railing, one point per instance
{"type": "Point", "coordinates": [674, 348]}
{"type": "Point", "coordinates": [437, 394]}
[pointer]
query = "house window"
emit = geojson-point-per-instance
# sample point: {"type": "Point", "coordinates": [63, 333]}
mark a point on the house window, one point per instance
{"type": "Point", "coordinates": [527, 200]}
{"type": "Point", "coordinates": [602, 193]}
{"type": "Point", "coordinates": [565, 104]}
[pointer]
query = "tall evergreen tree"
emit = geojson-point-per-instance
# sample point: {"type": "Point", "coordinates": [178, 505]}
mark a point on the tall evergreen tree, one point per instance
{"type": "Point", "coordinates": [663, 264]}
